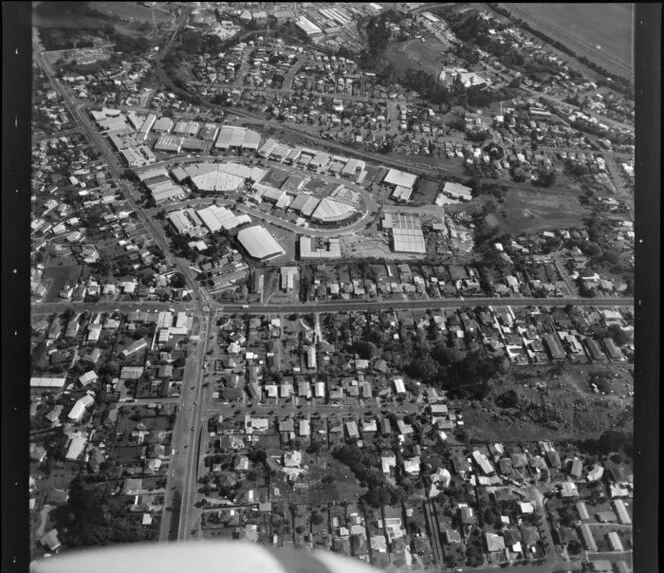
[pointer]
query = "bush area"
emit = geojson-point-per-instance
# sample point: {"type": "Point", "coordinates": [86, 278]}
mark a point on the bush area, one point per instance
{"type": "Point", "coordinates": [364, 466]}
{"type": "Point", "coordinates": [611, 441]}
{"type": "Point", "coordinates": [86, 519]}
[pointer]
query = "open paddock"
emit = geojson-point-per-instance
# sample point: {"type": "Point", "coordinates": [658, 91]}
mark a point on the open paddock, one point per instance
{"type": "Point", "coordinates": [535, 210]}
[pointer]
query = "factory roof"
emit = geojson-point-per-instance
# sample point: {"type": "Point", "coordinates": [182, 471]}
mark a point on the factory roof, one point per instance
{"type": "Point", "coordinates": [259, 243]}
{"type": "Point", "coordinates": [231, 136]}
{"type": "Point", "coordinates": [169, 143]}
{"type": "Point", "coordinates": [457, 190]}
{"type": "Point", "coordinates": [329, 211]}
{"type": "Point", "coordinates": [215, 218]}
{"type": "Point", "coordinates": [168, 193]}
{"type": "Point", "coordinates": [309, 250]}
{"type": "Point", "coordinates": [212, 177]}
{"type": "Point", "coordinates": [400, 178]}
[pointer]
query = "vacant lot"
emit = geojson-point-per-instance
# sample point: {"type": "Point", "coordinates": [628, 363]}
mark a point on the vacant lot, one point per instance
{"type": "Point", "coordinates": [57, 276]}
{"type": "Point", "coordinates": [603, 33]}
{"type": "Point", "coordinates": [534, 210]}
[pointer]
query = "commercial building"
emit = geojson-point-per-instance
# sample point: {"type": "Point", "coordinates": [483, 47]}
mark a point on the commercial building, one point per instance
{"type": "Point", "coordinates": [210, 177]}
{"type": "Point", "coordinates": [330, 211]}
{"type": "Point", "coordinates": [163, 125]}
{"type": "Point", "coordinates": [183, 221]}
{"type": "Point", "coordinates": [167, 193]}
{"type": "Point", "coordinates": [287, 278]}
{"type": "Point", "coordinates": [169, 143]}
{"type": "Point", "coordinates": [259, 243]}
{"type": "Point", "coordinates": [317, 248]}
{"type": "Point", "coordinates": [401, 182]}
{"type": "Point", "coordinates": [209, 132]}
{"type": "Point", "coordinates": [188, 128]}
{"type": "Point", "coordinates": [308, 27]}
{"type": "Point", "coordinates": [237, 138]}
{"type": "Point", "coordinates": [148, 124]}
{"type": "Point", "coordinates": [407, 236]}
{"type": "Point", "coordinates": [216, 218]}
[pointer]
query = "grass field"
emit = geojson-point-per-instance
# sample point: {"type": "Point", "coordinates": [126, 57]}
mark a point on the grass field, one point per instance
{"type": "Point", "coordinates": [603, 33]}
{"type": "Point", "coordinates": [127, 10]}
{"type": "Point", "coordinates": [532, 211]}
{"type": "Point", "coordinates": [414, 54]}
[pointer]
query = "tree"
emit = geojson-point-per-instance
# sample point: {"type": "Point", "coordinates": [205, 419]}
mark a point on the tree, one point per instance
{"type": "Point", "coordinates": [314, 448]}
{"type": "Point", "coordinates": [620, 337]}
{"type": "Point", "coordinates": [178, 281]}
{"type": "Point", "coordinates": [316, 518]}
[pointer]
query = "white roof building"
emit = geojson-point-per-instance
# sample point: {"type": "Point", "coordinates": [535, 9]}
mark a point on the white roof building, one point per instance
{"type": "Point", "coordinates": [457, 191]}
{"type": "Point", "coordinates": [88, 377]}
{"type": "Point", "coordinates": [76, 413]}
{"type": "Point", "coordinates": [39, 382]}
{"type": "Point", "coordinates": [330, 211]}
{"type": "Point", "coordinates": [259, 243]}
{"type": "Point", "coordinates": [400, 178]}
{"type": "Point", "coordinates": [215, 218]}
{"type": "Point", "coordinates": [76, 447]}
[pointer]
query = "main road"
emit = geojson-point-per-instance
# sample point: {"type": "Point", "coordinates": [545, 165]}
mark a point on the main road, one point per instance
{"type": "Point", "coordinates": [44, 308]}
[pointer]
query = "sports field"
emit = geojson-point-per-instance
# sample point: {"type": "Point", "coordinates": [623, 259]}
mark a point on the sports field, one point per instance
{"type": "Point", "coordinates": [600, 32]}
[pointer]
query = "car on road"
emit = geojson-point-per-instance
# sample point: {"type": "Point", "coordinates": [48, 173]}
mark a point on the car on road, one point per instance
{"type": "Point", "coordinates": [245, 306]}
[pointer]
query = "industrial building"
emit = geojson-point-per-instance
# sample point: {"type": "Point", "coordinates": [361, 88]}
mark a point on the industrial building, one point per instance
{"type": "Point", "coordinates": [401, 182]}
{"type": "Point", "coordinates": [407, 236]}
{"type": "Point", "coordinates": [237, 138]}
{"type": "Point", "coordinates": [457, 191]}
{"type": "Point", "coordinates": [215, 218]}
{"type": "Point", "coordinates": [211, 177]}
{"type": "Point", "coordinates": [315, 248]}
{"type": "Point", "coordinates": [330, 211]}
{"type": "Point", "coordinates": [163, 125]}
{"type": "Point", "coordinates": [169, 143]}
{"type": "Point", "coordinates": [308, 27]}
{"type": "Point", "coordinates": [187, 128]}
{"type": "Point", "coordinates": [259, 243]}
{"type": "Point", "coordinates": [197, 223]}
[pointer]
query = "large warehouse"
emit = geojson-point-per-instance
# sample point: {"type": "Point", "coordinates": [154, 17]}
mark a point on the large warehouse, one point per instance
{"type": "Point", "coordinates": [259, 243]}
{"type": "Point", "coordinates": [213, 178]}
{"type": "Point", "coordinates": [407, 236]}
{"type": "Point", "coordinates": [237, 137]}
{"type": "Point", "coordinates": [330, 211]}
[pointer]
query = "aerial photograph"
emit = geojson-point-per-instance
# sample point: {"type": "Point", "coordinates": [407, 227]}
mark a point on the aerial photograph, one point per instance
{"type": "Point", "coordinates": [353, 281]}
